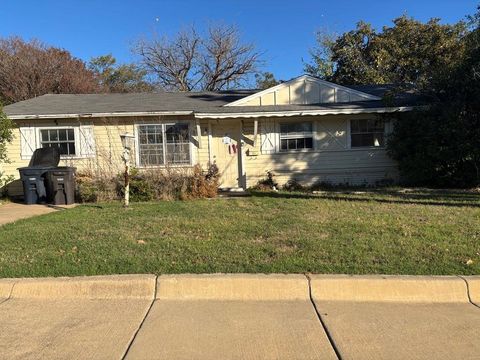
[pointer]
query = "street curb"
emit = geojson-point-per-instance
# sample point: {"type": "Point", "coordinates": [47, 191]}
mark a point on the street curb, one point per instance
{"type": "Point", "coordinates": [94, 287]}
{"type": "Point", "coordinates": [6, 286]}
{"type": "Point", "coordinates": [233, 287]}
{"type": "Point", "coordinates": [473, 288]}
{"type": "Point", "coordinates": [384, 288]}
{"type": "Point", "coordinates": [244, 287]}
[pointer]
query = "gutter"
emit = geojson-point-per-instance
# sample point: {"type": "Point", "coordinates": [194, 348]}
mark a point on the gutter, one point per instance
{"type": "Point", "coordinates": [305, 112]}
{"type": "Point", "coordinates": [94, 115]}
{"type": "Point", "coordinates": [200, 115]}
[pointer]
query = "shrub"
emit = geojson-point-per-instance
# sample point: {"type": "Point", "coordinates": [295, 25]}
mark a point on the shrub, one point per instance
{"type": "Point", "coordinates": [268, 183]}
{"type": "Point", "coordinates": [141, 186]}
{"type": "Point", "coordinates": [93, 188]}
{"type": "Point", "coordinates": [86, 191]}
{"type": "Point", "coordinates": [204, 185]}
{"type": "Point", "coordinates": [294, 185]}
{"type": "Point", "coordinates": [323, 186]}
{"type": "Point", "coordinates": [151, 184]}
{"type": "Point", "coordinates": [4, 181]}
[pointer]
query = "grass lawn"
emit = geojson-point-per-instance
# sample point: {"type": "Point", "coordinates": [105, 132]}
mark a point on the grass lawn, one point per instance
{"type": "Point", "coordinates": [357, 233]}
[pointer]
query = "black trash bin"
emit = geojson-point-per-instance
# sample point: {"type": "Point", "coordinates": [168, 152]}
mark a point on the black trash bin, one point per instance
{"type": "Point", "coordinates": [34, 191]}
{"type": "Point", "coordinates": [33, 176]}
{"type": "Point", "coordinates": [60, 183]}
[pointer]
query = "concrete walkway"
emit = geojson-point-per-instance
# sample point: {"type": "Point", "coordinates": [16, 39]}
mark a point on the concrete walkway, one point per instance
{"type": "Point", "coordinates": [11, 212]}
{"type": "Point", "coordinates": [240, 317]}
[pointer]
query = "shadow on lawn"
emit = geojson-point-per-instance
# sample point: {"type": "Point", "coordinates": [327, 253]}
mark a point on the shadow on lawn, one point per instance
{"type": "Point", "coordinates": [433, 197]}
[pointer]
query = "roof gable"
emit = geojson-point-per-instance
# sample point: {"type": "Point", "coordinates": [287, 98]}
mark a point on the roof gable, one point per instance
{"type": "Point", "coordinates": [304, 90]}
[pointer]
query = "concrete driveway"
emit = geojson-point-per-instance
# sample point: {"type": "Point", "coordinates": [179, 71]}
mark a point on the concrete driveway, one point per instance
{"type": "Point", "coordinates": [240, 317]}
{"type": "Point", "coordinates": [11, 212]}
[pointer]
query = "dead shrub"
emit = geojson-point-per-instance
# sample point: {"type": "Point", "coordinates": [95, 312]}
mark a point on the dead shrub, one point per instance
{"type": "Point", "coordinates": [204, 185]}
{"type": "Point", "coordinates": [168, 183]}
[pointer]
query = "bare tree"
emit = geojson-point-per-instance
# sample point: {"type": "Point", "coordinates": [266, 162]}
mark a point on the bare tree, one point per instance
{"type": "Point", "coordinates": [29, 69]}
{"type": "Point", "coordinates": [189, 61]}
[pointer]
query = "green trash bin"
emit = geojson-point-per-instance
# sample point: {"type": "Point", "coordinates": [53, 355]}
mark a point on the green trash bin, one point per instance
{"type": "Point", "coordinates": [60, 184]}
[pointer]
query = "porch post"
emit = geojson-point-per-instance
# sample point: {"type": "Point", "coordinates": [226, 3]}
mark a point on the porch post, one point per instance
{"type": "Point", "coordinates": [255, 133]}
{"type": "Point", "coordinates": [199, 133]}
{"type": "Point", "coordinates": [210, 139]}
{"type": "Point", "coordinates": [241, 159]}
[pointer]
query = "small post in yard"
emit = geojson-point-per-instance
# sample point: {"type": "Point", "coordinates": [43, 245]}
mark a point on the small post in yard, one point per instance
{"type": "Point", "coordinates": [127, 143]}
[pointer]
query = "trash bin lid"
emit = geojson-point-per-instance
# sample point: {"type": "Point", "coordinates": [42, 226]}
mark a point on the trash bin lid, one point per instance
{"type": "Point", "coordinates": [62, 170]}
{"type": "Point", "coordinates": [45, 157]}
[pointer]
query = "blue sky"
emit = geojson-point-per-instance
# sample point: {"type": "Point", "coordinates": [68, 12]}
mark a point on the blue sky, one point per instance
{"type": "Point", "coordinates": [283, 30]}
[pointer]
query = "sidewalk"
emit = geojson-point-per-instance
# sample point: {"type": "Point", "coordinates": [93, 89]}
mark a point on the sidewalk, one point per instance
{"type": "Point", "coordinates": [241, 316]}
{"type": "Point", "coordinates": [11, 212]}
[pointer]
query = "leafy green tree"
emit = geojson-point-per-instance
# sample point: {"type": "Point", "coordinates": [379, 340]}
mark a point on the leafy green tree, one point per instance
{"type": "Point", "coordinates": [409, 52]}
{"type": "Point", "coordinates": [441, 146]}
{"type": "Point", "coordinates": [6, 136]}
{"type": "Point", "coordinates": [322, 64]}
{"type": "Point", "coordinates": [119, 78]}
{"type": "Point", "coordinates": [265, 80]}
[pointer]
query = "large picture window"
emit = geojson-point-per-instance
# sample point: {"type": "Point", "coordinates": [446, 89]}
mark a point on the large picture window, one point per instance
{"type": "Point", "coordinates": [367, 133]}
{"type": "Point", "coordinates": [296, 136]}
{"type": "Point", "coordinates": [63, 139]}
{"type": "Point", "coordinates": [164, 144]}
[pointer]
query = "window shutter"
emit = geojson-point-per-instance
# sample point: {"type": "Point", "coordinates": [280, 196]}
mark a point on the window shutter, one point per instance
{"type": "Point", "coordinates": [268, 136]}
{"type": "Point", "coordinates": [87, 140]}
{"type": "Point", "coordinates": [336, 135]}
{"type": "Point", "coordinates": [28, 142]}
{"type": "Point", "coordinates": [389, 126]}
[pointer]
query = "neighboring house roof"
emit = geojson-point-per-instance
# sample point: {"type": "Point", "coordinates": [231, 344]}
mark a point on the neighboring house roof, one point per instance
{"type": "Point", "coordinates": [201, 103]}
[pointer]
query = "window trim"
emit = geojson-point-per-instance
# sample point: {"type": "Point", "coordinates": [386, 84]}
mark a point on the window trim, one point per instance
{"type": "Point", "coordinates": [349, 136]}
{"type": "Point", "coordinates": [163, 124]}
{"type": "Point", "coordinates": [76, 134]}
{"type": "Point", "coordinates": [279, 136]}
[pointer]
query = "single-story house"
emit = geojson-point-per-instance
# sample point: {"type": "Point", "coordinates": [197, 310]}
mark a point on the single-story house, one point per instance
{"type": "Point", "coordinates": [305, 129]}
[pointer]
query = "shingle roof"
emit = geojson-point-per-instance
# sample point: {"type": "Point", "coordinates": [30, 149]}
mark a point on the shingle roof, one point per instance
{"type": "Point", "coordinates": [130, 102]}
{"type": "Point", "coordinates": [203, 102]}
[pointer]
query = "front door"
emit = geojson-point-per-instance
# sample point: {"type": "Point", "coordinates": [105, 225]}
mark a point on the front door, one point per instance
{"type": "Point", "coordinates": [226, 152]}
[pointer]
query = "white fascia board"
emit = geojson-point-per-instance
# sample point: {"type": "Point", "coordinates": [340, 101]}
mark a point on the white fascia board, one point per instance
{"type": "Point", "coordinates": [94, 115]}
{"type": "Point", "coordinates": [304, 113]}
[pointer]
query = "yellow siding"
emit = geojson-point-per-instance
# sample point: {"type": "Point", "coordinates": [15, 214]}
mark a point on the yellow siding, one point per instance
{"type": "Point", "coordinates": [253, 102]}
{"type": "Point", "coordinates": [331, 161]}
{"type": "Point", "coordinates": [312, 93]}
{"type": "Point", "coordinates": [268, 99]}
{"type": "Point", "coordinates": [297, 91]}
{"type": "Point", "coordinates": [203, 156]}
{"type": "Point", "coordinates": [283, 96]}
{"type": "Point", "coordinates": [108, 146]}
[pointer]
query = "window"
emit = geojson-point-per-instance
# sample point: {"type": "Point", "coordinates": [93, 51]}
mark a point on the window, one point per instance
{"type": "Point", "coordinates": [163, 144]}
{"type": "Point", "coordinates": [63, 139]}
{"type": "Point", "coordinates": [296, 136]}
{"type": "Point", "coordinates": [367, 133]}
